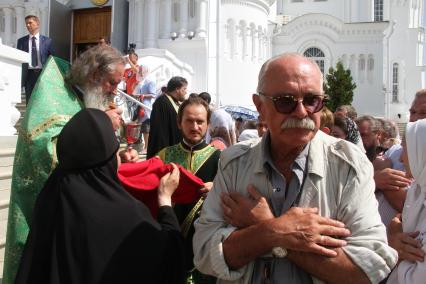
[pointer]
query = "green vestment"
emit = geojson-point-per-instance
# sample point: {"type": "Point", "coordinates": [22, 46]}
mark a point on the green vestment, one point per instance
{"type": "Point", "coordinates": [201, 160]}
{"type": "Point", "coordinates": [51, 106]}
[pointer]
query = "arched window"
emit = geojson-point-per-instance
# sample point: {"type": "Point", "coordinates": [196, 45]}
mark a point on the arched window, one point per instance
{"type": "Point", "coordinates": [378, 10]}
{"type": "Point", "coordinates": [370, 63]}
{"type": "Point", "coordinates": [361, 68]}
{"type": "Point", "coordinates": [316, 55]}
{"type": "Point", "coordinates": [361, 63]}
{"type": "Point", "coordinates": [395, 84]}
{"type": "Point", "coordinates": [370, 68]}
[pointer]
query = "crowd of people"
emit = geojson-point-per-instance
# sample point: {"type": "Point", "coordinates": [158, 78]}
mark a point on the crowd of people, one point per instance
{"type": "Point", "coordinates": [299, 195]}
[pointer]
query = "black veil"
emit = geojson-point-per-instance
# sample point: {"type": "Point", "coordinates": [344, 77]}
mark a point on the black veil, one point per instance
{"type": "Point", "coordinates": [86, 228]}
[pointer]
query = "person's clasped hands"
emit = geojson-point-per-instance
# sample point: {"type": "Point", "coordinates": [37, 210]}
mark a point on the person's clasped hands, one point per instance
{"type": "Point", "coordinates": [390, 179]}
{"type": "Point", "coordinates": [408, 247]}
{"type": "Point", "coordinates": [299, 228]}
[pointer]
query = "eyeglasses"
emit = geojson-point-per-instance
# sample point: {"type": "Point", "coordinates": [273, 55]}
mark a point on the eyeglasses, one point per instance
{"type": "Point", "coordinates": [287, 104]}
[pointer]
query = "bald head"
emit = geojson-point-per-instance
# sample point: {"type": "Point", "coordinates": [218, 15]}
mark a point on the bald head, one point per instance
{"type": "Point", "coordinates": [284, 64]}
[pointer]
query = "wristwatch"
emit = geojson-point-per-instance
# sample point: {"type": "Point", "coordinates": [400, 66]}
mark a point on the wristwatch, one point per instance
{"type": "Point", "coordinates": [279, 252]}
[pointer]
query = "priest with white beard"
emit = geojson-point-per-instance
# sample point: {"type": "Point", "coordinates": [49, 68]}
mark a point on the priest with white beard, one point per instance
{"type": "Point", "coordinates": [59, 93]}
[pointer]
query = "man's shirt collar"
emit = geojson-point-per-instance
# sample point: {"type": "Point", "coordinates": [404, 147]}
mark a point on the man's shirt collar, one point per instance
{"type": "Point", "coordinates": [299, 162]}
{"type": "Point", "coordinates": [198, 146]}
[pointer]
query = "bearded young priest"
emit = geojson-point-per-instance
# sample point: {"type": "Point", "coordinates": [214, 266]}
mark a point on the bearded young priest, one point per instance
{"type": "Point", "coordinates": [201, 159]}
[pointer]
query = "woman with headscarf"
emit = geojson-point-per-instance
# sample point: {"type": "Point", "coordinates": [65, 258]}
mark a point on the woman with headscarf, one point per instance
{"type": "Point", "coordinates": [409, 236]}
{"type": "Point", "coordinates": [345, 128]}
{"type": "Point", "coordinates": [87, 229]}
{"type": "Point", "coordinates": [221, 129]}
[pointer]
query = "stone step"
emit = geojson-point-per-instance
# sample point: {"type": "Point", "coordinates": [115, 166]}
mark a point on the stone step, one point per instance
{"type": "Point", "coordinates": [6, 157]}
{"type": "Point", "coordinates": [5, 183]}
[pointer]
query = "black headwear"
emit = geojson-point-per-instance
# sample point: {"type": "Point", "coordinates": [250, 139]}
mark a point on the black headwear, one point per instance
{"type": "Point", "coordinates": [86, 228]}
{"type": "Point", "coordinates": [75, 150]}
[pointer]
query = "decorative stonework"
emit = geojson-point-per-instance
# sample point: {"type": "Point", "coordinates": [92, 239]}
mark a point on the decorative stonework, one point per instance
{"type": "Point", "coordinates": [333, 28]}
{"type": "Point", "coordinates": [245, 42]}
{"type": "Point", "coordinates": [263, 6]}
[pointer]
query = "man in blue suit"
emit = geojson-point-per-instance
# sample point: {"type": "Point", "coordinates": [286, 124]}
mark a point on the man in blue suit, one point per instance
{"type": "Point", "coordinates": [39, 47]}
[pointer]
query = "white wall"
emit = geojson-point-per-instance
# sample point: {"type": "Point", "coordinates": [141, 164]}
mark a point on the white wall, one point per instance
{"type": "Point", "coordinates": [406, 55]}
{"type": "Point", "coordinates": [84, 4]}
{"type": "Point", "coordinates": [239, 63]}
{"type": "Point", "coordinates": [342, 41]}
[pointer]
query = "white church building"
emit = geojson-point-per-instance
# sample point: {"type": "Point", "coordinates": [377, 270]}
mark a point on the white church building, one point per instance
{"type": "Point", "coordinates": [219, 46]}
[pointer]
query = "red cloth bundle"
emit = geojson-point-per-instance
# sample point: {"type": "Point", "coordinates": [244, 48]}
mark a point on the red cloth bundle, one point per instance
{"type": "Point", "coordinates": [142, 179]}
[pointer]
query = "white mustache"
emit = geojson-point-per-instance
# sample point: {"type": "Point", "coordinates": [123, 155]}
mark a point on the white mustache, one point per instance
{"type": "Point", "coordinates": [291, 122]}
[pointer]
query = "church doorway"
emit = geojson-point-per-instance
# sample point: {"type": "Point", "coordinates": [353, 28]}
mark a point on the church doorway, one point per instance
{"type": "Point", "coordinates": [89, 26]}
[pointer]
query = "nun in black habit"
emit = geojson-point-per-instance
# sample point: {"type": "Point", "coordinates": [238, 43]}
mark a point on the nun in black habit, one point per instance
{"type": "Point", "coordinates": [87, 229]}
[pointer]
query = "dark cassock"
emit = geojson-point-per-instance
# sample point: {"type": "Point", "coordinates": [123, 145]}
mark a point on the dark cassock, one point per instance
{"type": "Point", "coordinates": [164, 128]}
{"type": "Point", "coordinates": [201, 160]}
{"type": "Point", "coordinates": [51, 106]}
{"type": "Point", "coordinates": [87, 229]}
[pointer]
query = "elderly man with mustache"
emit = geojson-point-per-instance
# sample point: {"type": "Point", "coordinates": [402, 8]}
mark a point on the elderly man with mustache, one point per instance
{"type": "Point", "coordinates": [297, 206]}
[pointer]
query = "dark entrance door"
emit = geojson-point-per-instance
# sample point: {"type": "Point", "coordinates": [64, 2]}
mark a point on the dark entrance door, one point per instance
{"type": "Point", "coordinates": [89, 26]}
{"type": "Point", "coordinates": [60, 29]}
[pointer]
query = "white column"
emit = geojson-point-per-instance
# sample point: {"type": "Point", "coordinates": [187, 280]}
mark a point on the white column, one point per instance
{"type": "Point", "coordinates": [139, 28]}
{"type": "Point", "coordinates": [150, 24]}
{"type": "Point", "coordinates": [7, 12]}
{"type": "Point", "coordinates": [166, 18]}
{"type": "Point", "coordinates": [202, 18]}
{"type": "Point", "coordinates": [254, 43]}
{"type": "Point", "coordinates": [44, 19]}
{"type": "Point", "coordinates": [249, 42]}
{"type": "Point", "coordinates": [259, 42]}
{"type": "Point", "coordinates": [238, 43]}
{"type": "Point", "coordinates": [183, 18]}
{"type": "Point", "coordinates": [280, 7]}
{"type": "Point", "coordinates": [30, 9]}
{"type": "Point", "coordinates": [131, 28]}
{"type": "Point", "coordinates": [20, 21]}
{"type": "Point", "coordinates": [244, 54]}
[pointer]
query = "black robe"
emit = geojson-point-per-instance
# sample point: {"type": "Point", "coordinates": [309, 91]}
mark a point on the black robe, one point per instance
{"type": "Point", "coordinates": [164, 129]}
{"type": "Point", "coordinates": [87, 229]}
{"type": "Point", "coordinates": [207, 172]}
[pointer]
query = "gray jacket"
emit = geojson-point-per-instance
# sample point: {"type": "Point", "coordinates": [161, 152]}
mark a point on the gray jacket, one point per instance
{"type": "Point", "coordinates": [339, 183]}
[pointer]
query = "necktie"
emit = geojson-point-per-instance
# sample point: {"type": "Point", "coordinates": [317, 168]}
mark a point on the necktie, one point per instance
{"type": "Point", "coordinates": [34, 59]}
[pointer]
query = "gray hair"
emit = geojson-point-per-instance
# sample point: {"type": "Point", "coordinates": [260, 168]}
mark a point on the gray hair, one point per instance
{"type": "Point", "coordinates": [350, 111]}
{"type": "Point", "coordinates": [265, 67]}
{"type": "Point", "coordinates": [94, 64]}
{"type": "Point", "coordinates": [374, 123]}
{"type": "Point", "coordinates": [389, 127]}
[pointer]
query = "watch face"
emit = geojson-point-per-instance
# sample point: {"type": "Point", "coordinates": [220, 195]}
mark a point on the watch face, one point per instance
{"type": "Point", "coordinates": [99, 2]}
{"type": "Point", "coordinates": [279, 252]}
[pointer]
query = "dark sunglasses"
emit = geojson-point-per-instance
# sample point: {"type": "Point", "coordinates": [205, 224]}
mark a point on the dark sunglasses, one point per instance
{"type": "Point", "coordinates": [287, 104]}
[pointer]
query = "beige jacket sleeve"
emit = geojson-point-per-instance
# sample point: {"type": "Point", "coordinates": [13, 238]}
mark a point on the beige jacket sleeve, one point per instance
{"type": "Point", "coordinates": [210, 232]}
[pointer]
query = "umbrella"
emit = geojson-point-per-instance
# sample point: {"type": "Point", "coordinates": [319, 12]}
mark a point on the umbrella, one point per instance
{"type": "Point", "coordinates": [239, 111]}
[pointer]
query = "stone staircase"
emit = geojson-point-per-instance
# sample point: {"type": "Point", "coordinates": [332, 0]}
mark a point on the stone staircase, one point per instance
{"type": "Point", "coordinates": [22, 107]}
{"type": "Point", "coordinates": [7, 152]}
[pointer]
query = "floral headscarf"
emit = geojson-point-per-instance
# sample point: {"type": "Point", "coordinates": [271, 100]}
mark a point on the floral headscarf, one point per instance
{"type": "Point", "coordinates": [352, 131]}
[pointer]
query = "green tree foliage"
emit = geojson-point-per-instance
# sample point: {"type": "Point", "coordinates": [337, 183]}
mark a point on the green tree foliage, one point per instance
{"type": "Point", "coordinates": [339, 87]}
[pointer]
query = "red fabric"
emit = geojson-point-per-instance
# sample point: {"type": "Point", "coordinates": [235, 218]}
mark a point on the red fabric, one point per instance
{"type": "Point", "coordinates": [218, 144]}
{"type": "Point", "coordinates": [142, 179]}
{"type": "Point", "coordinates": [130, 78]}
